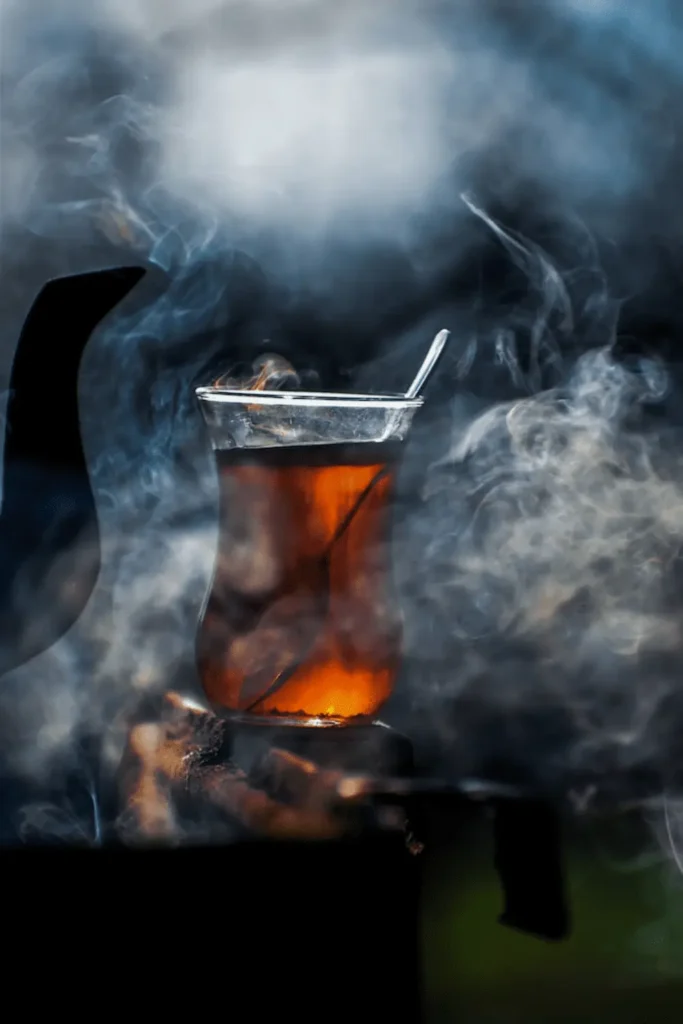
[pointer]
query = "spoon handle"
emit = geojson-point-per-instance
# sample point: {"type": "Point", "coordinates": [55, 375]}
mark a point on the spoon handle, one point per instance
{"type": "Point", "coordinates": [430, 360]}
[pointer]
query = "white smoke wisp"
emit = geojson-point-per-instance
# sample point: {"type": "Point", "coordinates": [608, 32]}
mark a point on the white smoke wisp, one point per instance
{"type": "Point", "coordinates": [298, 125]}
{"type": "Point", "coordinates": [552, 535]}
{"type": "Point", "coordinates": [320, 138]}
{"type": "Point", "coordinates": [134, 640]}
{"type": "Point", "coordinates": [306, 116]}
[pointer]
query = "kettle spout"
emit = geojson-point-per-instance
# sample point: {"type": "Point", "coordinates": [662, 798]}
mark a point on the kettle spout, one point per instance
{"type": "Point", "coordinates": [49, 536]}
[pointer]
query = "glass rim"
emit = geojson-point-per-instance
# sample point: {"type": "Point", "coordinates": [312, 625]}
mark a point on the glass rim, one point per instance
{"type": "Point", "coordinates": [307, 398]}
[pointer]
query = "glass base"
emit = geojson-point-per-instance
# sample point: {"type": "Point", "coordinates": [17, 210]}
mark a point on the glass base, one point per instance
{"type": "Point", "coordinates": [276, 721]}
{"type": "Point", "coordinates": [367, 747]}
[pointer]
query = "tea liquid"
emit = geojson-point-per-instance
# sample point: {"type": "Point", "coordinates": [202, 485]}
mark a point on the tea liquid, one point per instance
{"type": "Point", "coordinates": [300, 620]}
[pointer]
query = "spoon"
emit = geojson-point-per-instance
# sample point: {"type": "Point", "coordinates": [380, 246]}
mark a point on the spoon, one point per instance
{"type": "Point", "coordinates": [428, 363]}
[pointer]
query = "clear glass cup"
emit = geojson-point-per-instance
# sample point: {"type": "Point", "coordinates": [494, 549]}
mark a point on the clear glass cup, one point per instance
{"type": "Point", "coordinates": [300, 624]}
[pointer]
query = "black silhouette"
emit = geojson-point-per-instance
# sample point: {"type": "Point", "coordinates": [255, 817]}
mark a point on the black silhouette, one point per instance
{"type": "Point", "coordinates": [49, 540]}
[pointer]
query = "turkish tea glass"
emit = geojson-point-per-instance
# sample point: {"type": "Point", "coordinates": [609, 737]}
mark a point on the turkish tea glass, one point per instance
{"type": "Point", "coordinates": [300, 625]}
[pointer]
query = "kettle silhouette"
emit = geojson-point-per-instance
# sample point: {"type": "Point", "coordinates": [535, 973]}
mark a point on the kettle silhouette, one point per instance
{"type": "Point", "coordinates": [49, 537]}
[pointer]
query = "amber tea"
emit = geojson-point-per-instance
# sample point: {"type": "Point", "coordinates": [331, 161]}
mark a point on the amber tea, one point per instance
{"type": "Point", "coordinates": [300, 619]}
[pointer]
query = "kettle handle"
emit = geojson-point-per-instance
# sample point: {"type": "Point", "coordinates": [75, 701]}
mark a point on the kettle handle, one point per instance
{"type": "Point", "coordinates": [48, 507]}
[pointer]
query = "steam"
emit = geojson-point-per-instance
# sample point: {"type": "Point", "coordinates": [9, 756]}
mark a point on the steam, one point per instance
{"type": "Point", "coordinates": [307, 117]}
{"type": "Point", "coordinates": [269, 372]}
{"type": "Point", "coordinates": [542, 543]}
{"type": "Point", "coordinates": [546, 556]}
{"type": "Point", "coordinates": [245, 126]}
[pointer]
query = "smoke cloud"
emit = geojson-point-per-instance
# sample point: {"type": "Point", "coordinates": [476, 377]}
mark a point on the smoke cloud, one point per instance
{"type": "Point", "coordinates": [294, 172]}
